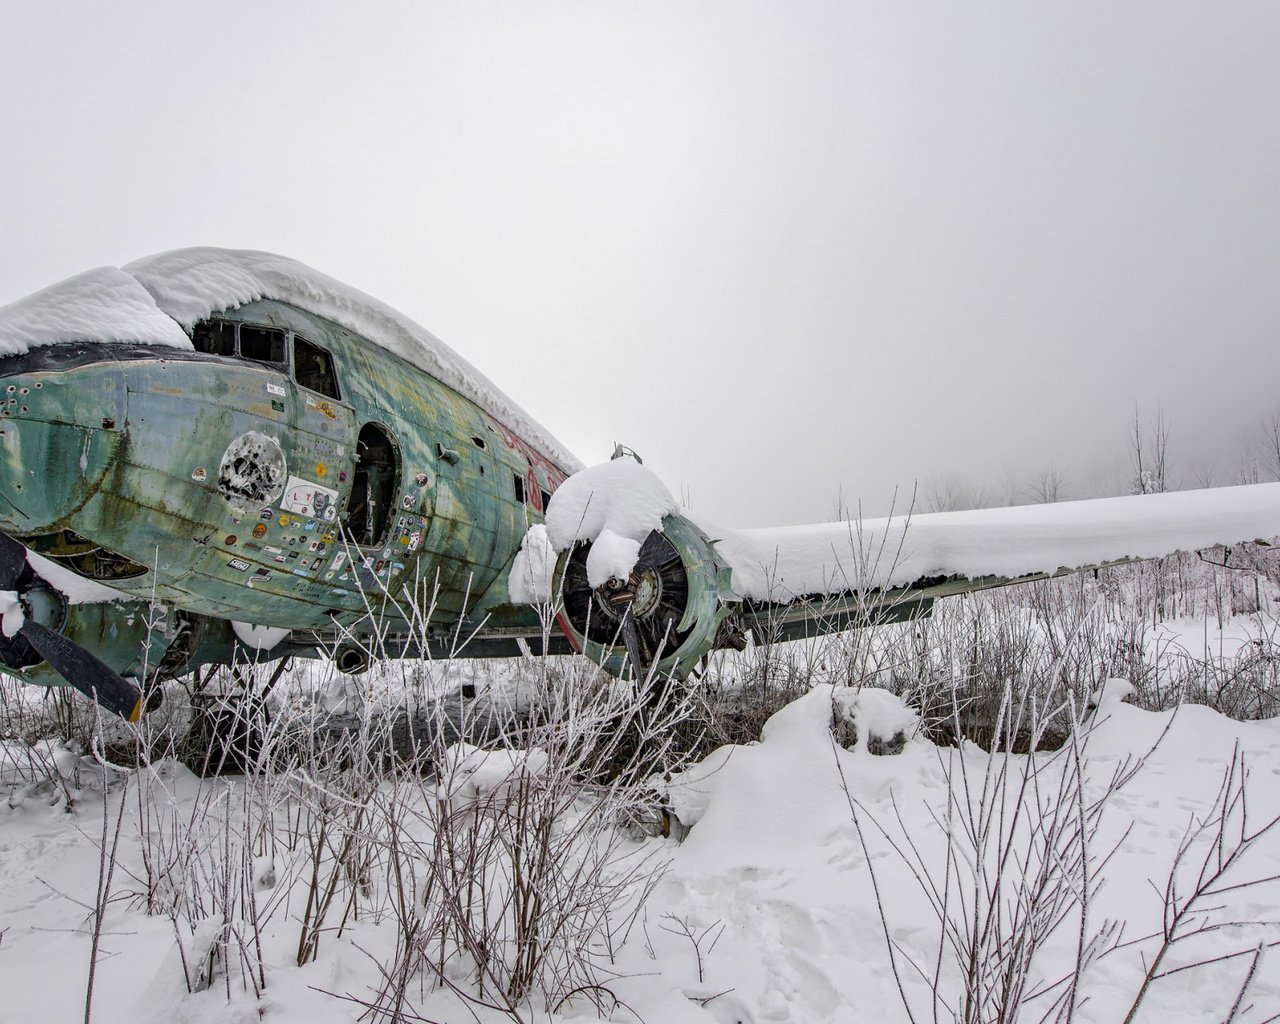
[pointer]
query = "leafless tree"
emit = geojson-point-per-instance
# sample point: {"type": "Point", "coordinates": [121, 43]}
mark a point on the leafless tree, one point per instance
{"type": "Point", "coordinates": [1248, 471]}
{"type": "Point", "coordinates": [1205, 473]}
{"type": "Point", "coordinates": [1269, 455]}
{"type": "Point", "coordinates": [1149, 455]}
{"type": "Point", "coordinates": [1048, 487]}
{"type": "Point", "coordinates": [951, 494]}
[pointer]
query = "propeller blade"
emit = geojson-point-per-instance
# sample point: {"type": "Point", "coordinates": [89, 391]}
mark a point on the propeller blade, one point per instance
{"type": "Point", "coordinates": [97, 681]}
{"type": "Point", "coordinates": [655, 552]}
{"type": "Point", "coordinates": [631, 637]}
{"type": "Point", "coordinates": [13, 562]}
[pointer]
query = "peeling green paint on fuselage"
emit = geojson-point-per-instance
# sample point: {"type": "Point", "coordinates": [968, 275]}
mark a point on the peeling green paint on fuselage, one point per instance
{"type": "Point", "coordinates": [126, 451]}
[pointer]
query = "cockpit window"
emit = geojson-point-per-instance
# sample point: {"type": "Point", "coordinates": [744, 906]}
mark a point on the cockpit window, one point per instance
{"type": "Point", "coordinates": [262, 344]}
{"type": "Point", "coordinates": [217, 337]}
{"type": "Point", "coordinates": [313, 367]}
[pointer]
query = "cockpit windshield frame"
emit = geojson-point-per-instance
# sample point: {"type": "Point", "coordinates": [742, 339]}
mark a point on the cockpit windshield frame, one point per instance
{"type": "Point", "coordinates": [255, 343]}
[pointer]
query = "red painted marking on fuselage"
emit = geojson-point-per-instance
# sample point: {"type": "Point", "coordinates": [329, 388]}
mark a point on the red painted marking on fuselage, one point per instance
{"type": "Point", "coordinates": [555, 475]}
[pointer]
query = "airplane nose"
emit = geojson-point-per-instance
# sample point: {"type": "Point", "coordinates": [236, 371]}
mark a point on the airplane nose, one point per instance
{"type": "Point", "coordinates": [61, 430]}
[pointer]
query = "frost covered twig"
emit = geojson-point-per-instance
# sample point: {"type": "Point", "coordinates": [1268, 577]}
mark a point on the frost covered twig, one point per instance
{"type": "Point", "coordinates": [681, 926]}
{"type": "Point", "coordinates": [1227, 837]}
{"type": "Point", "coordinates": [106, 872]}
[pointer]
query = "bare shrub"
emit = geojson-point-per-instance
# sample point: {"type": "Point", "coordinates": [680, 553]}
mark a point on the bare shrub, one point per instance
{"type": "Point", "coordinates": [512, 876]}
{"type": "Point", "coordinates": [1063, 636]}
{"type": "Point", "coordinates": [1015, 871]}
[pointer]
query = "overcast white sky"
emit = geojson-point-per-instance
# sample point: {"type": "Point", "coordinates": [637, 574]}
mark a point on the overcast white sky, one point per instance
{"type": "Point", "coordinates": [784, 250]}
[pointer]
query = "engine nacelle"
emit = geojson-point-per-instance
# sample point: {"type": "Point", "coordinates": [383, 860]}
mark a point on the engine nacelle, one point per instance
{"type": "Point", "coordinates": [678, 594]}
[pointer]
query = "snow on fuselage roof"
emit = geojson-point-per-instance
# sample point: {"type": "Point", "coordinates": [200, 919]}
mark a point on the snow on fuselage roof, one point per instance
{"type": "Point", "coordinates": [155, 300]}
{"type": "Point", "coordinates": [104, 305]}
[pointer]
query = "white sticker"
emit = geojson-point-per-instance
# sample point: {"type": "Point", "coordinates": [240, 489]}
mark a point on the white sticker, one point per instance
{"type": "Point", "coordinates": [309, 499]}
{"type": "Point", "coordinates": [275, 389]}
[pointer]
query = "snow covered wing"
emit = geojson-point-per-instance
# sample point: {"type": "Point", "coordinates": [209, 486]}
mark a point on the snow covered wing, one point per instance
{"type": "Point", "coordinates": [804, 580]}
{"type": "Point", "coordinates": [1006, 543]}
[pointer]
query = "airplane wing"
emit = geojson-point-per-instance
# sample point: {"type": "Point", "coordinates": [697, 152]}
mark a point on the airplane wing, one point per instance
{"type": "Point", "coordinates": [891, 568]}
{"type": "Point", "coordinates": [715, 585]}
{"type": "Point", "coordinates": [894, 551]}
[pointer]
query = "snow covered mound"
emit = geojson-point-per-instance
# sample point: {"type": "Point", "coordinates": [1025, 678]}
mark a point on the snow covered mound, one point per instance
{"type": "Point", "coordinates": [864, 720]}
{"type": "Point", "coordinates": [615, 505]}
{"type": "Point", "coordinates": [770, 804]}
{"type": "Point", "coordinates": [1111, 691]}
{"type": "Point", "coordinates": [870, 719]}
{"type": "Point", "coordinates": [472, 777]}
{"type": "Point", "coordinates": [154, 299]}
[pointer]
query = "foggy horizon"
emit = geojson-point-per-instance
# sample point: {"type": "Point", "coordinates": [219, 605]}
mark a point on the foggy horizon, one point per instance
{"type": "Point", "coordinates": [797, 258]}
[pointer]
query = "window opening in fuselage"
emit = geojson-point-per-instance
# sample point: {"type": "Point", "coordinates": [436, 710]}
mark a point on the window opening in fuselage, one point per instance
{"type": "Point", "coordinates": [217, 337]}
{"type": "Point", "coordinates": [313, 367]}
{"type": "Point", "coordinates": [372, 487]}
{"type": "Point", "coordinates": [258, 343]}
{"type": "Point", "coordinates": [262, 344]}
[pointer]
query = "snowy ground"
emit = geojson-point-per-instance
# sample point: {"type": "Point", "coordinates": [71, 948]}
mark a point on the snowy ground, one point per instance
{"type": "Point", "coordinates": [769, 910]}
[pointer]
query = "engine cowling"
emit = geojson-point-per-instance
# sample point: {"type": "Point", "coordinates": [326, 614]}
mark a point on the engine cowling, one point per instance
{"type": "Point", "coordinates": [677, 596]}
{"type": "Point", "coordinates": [99, 648]}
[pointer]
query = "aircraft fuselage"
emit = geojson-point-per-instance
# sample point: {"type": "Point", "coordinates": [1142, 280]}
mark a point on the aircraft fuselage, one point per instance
{"type": "Point", "coordinates": [287, 473]}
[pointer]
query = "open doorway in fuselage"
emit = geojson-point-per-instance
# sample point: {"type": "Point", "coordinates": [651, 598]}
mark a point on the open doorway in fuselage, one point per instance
{"type": "Point", "coordinates": [373, 486]}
